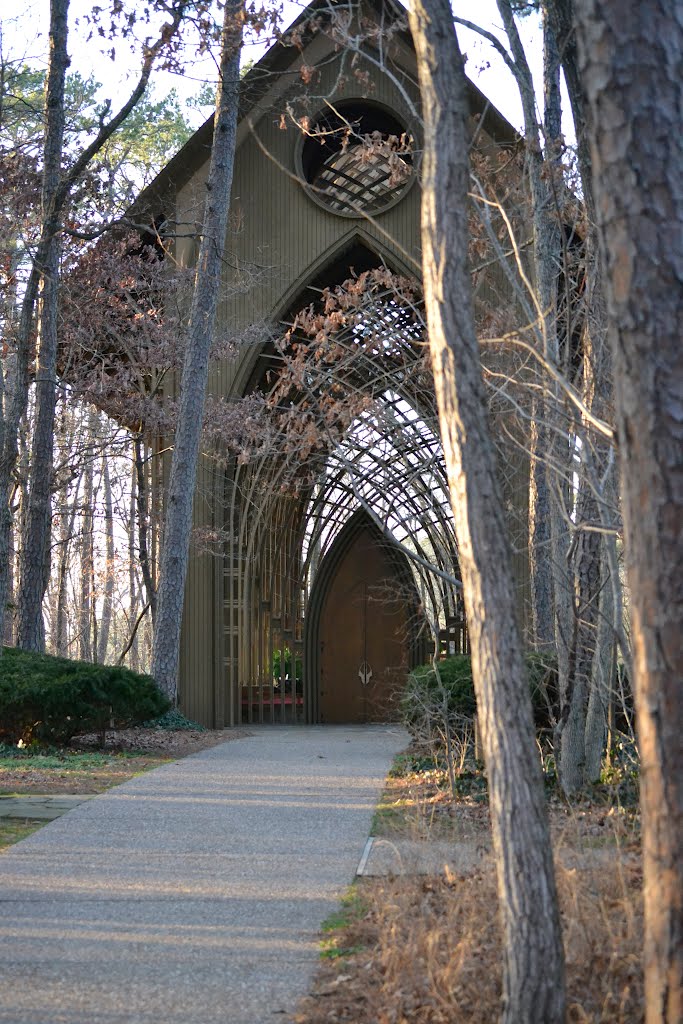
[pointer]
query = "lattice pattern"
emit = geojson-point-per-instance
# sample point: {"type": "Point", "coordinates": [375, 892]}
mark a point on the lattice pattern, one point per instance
{"type": "Point", "coordinates": [284, 513]}
{"type": "Point", "coordinates": [351, 180]}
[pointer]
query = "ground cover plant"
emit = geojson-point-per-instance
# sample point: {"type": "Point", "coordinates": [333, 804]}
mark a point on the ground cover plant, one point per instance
{"type": "Point", "coordinates": [60, 770]}
{"type": "Point", "coordinates": [87, 767]}
{"type": "Point", "coordinates": [12, 830]}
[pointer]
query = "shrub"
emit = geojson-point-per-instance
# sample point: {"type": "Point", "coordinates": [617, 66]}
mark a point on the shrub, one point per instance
{"type": "Point", "coordinates": [430, 701]}
{"type": "Point", "coordinates": [449, 694]}
{"type": "Point", "coordinates": [287, 674]}
{"type": "Point", "coordinates": [49, 700]}
{"type": "Point", "coordinates": [173, 720]}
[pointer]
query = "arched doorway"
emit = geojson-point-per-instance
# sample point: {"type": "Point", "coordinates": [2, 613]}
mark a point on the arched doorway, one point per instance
{"type": "Point", "coordinates": [363, 631]}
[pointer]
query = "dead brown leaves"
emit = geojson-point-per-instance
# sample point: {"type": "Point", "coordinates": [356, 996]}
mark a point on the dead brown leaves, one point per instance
{"type": "Point", "coordinates": [432, 952]}
{"type": "Point", "coordinates": [428, 948]}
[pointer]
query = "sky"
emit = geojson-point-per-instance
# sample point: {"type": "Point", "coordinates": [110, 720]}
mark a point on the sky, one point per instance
{"type": "Point", "coordinates": [24, 35]}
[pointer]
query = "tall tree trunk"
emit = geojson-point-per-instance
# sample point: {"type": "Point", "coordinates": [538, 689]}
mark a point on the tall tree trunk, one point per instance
{"type": "Point", "coordinates": [541, 160]}
{"type": "Point", "coordinates": [550, 499]}
{"type": "Point", "coordinates": [601, 695]}
{"type": "Point", "coordinates": [630, 59]}
{"type": "Point", "coordinates": [178, 517]}
{"type": "Point", "coordinates": [69, 495]}
{"type": "Point", "coordinates": [142, 504]}
{"type": "Point", "coordinates": [109, 573]}
{"type": "Point", "coordinates": [597, 500]}
{"type": "Point", "coordinates": [585, 607]}
{"type": "Point", "coordinates": [533, 971]}
{"type": "Point", "coordinates": [85, 651]}
{"type": "Point", "coordinates": [540, 554]}
{"type": "Point", "coordinates": [132, 577]}
{"type": "Point", "coordinates": [11, 561]}
{"type": "Point", "coordinates": [597, 395]}
{"type": "Point", "coordinates": [35, 547]}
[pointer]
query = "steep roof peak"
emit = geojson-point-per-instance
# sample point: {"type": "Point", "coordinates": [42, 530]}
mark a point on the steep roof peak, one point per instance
{"type": "Point", "coordinates": [285, 56]}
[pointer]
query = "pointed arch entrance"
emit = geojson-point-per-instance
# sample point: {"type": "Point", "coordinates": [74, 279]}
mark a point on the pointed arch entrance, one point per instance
{"type": "Point", "coordinates": [321, 595]}
{"type": "Point", "coordinates": [363, 630]}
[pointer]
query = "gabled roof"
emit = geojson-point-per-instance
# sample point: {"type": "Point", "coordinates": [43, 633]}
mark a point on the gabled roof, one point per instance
{"type": "Point", "coordinates": [255, 83]}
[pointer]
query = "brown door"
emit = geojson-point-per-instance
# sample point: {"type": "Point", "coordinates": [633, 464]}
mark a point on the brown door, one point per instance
{"type": "Point", "coordinates": [363, 636]}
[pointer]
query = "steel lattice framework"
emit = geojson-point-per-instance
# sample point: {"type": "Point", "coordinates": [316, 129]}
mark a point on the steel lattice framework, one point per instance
{"type": "Point", "coordinates": [352, 424]}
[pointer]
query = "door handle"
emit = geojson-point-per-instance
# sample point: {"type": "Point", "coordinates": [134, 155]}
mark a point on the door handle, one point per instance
{"type": "Point", "coordinates": [365, 673]}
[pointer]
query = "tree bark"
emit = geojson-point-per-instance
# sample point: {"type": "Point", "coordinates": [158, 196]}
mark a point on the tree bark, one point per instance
{"type": "Point", "coordinates": [541, 142]}
{"type": "Point", "coordinates": [560, 15]}
{"type": "Point", "coordinates": [109, 573]}
{"type": "Point", "coordinates": [580, 681]}
{"type": "Point", "coordinates": [35, 547]}
{"type": "Point", "coordinates": [68, 521]}
{"type": "Point", "coordinates": [142, 503]}
{"type": "Point", "coordinates": [601, 696]}
{"type": "Point", "coordinates": [598, 396]}
{"type": "Point", "coordinates": [132, 576]}
{"type": "Point", "coordinates": [533, 971]}
{"type": "Point", "coordinates": [207, 283]}
{"type": "Point", "coordinates": [630, 58]}
{"type": "Point", "coordinates": [85, 649]}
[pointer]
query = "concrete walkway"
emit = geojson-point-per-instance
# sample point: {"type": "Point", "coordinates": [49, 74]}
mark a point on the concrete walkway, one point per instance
{"type": "Point", "coordinates": [193, 894]}
{"type": "Point", "coordinates": [39, 808]}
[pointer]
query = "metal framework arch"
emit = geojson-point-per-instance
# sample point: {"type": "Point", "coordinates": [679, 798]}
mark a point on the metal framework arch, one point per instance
{"type": "Point", "coordinates": [286, 510]}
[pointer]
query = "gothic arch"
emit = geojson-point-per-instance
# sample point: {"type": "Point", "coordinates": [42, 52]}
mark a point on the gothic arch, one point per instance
{"type": "Point", "coordinates": [247, 603]}
{"type": "Point", "coordinates": [413, 640]}
{"type": "Point", "coordinates": [326, 268]}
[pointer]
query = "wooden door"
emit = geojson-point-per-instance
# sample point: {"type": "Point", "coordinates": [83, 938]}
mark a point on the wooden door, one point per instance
{"type": "Point", "coordinates": [363, 636]}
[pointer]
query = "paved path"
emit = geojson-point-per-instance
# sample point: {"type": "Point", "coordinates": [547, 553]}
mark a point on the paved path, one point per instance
{"type": "Point", "coordinates": [193, 894]}
{"type": "Point", "coordinates": [39, 807]}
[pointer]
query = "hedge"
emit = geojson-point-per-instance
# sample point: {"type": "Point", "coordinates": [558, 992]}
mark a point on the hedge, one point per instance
{"type": "Point", "coordinates": [49, 700]}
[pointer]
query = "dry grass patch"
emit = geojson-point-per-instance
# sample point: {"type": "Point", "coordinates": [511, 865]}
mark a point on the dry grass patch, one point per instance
{"type": "Point", "coordinates": [418, 805]}
{"type": "Point", "coordinates": [426, 950]}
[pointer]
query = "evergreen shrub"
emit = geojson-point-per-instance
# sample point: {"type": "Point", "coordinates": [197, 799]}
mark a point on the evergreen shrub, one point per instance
{"type": "Point", "coordinates": [430, 700]}
{"type": "Point", "coordinates": [48, 700]}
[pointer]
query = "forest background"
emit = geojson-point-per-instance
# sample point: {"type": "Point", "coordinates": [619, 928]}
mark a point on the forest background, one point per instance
{"type": "Point", "coordinates": [75, 441]}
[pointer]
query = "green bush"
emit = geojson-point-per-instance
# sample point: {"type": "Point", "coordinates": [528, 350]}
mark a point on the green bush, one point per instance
{"type": "Point", "coordinates": [49, 700]}
{"type": "Point", "coordinates": [429, 702]}
{"type": "Point", "coordinates": [277, 661]}
{"type": "Point", "coordinates": [174, 721]}
{"type": "Point", "coordinates": [450, 693]}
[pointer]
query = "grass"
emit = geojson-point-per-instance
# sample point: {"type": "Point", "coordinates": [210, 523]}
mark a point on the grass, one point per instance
{"type": "Point", "coordinates": [14, 829]}
{"type": "Point", "coordinates": [55, 772]}
{"type": "Point", "coordinates": [352, 908]}
{"type": "Point", "coordinates": [390, 816]}
{"type": "Point", "coordinates": [64, 760]}
{"type": "Point", "coordinates": [65, 771]}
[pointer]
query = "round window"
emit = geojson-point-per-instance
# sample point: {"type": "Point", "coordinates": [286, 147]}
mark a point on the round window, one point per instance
{"type": "Point", "coordinates": [357, 159]}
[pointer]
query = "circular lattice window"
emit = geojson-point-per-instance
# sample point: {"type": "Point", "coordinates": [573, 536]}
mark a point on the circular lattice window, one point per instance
{"type": "Point", "coordinates": [357, 159]}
